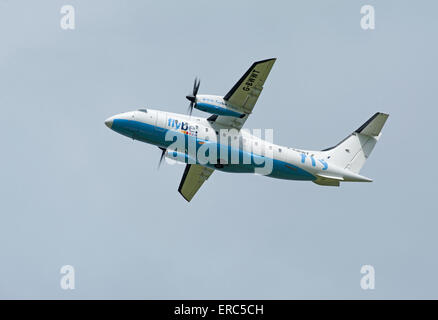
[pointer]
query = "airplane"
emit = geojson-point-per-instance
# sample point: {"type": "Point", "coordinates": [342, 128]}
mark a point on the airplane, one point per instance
{"type": "Point", "coordinates": [328, 167]}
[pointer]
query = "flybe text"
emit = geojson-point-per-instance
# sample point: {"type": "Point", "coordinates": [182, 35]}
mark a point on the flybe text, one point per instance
{"type": "Point", "coordinates": [182, 125]}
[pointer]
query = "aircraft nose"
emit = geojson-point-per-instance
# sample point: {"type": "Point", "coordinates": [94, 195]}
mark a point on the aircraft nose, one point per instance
{"type": "Point", "coordinates": [109, 122]}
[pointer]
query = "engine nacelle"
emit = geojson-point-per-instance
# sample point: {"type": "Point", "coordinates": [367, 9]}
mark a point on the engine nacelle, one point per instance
{"type": "Point", "coordinates": [216, 105]}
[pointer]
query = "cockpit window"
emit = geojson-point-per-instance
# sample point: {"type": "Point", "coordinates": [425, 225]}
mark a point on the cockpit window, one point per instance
{"type": "Point", "coordinates": [143, 110]}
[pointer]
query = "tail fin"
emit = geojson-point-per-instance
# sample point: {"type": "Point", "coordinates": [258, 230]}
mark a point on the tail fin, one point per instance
{"type": "Point", "coordinates": [352, 152]}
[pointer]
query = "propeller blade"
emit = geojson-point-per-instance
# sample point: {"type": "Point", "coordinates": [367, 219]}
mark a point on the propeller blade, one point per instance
{"type": "Point", "coordinates": [163, 152]}
{"type": "Point", "coordinates": [190, 108]}
{"type": "Point", "coordinates": [192, 97]}
{"type": "Point", "coordinates": [196, 86]}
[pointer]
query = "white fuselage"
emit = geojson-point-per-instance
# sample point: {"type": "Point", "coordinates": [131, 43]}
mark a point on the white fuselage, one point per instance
{"type": "Point", "coordinates": [155, 127]}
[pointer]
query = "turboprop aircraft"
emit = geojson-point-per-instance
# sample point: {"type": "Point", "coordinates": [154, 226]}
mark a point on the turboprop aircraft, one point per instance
{"type": "Point", "coordinates": [220, 142]}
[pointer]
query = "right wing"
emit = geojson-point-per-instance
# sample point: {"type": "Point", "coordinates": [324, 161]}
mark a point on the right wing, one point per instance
{"type": "Point", "coordinates": [193, 178]}
{"type": "Point", "coordinates": [245, 93]}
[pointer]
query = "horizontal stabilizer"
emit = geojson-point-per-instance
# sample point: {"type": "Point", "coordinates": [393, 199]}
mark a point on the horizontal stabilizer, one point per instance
{"type": "Point", "coordinates": [325, 180]}
{"type": "Point", "coordinates": [329, 177]}
{"type": "Point", "coordinates": [329, 180]}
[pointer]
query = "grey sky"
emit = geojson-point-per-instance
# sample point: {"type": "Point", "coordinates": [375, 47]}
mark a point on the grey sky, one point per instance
{"type": "Point", "coordinates": [74, 192]}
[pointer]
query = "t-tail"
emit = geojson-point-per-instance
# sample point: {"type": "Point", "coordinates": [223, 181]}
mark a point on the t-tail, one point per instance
{"type": "Point", "coordinates": [351, 153]}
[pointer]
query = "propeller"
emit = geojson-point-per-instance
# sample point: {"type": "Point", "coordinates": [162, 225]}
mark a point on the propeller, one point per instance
{"type": "Point", "coordinates": [163, 153]}
{"type": "Point", "coordinates": [192, 97]}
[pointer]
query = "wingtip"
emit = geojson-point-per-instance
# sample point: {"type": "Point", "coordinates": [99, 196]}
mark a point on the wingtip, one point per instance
{"type": "Point", "coordinates": [265, 60]}
{"type": "Point", "coordinates": [188, 200]}
{"type": "Point", "coordinates": [381, 113]}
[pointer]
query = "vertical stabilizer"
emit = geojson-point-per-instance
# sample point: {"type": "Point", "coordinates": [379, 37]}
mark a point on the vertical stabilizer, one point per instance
{"type": "Point", "coordinates": [352, 152]}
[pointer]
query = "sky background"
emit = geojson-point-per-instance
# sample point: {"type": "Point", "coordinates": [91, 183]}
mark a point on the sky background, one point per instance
{"type": "Point", "coordinates": [74, 192]}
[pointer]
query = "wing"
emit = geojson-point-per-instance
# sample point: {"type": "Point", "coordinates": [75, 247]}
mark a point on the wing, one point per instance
{"type": "Point", "coordinates": [192, 179]}
{"type": "Point", "coordinates": [244, 94]}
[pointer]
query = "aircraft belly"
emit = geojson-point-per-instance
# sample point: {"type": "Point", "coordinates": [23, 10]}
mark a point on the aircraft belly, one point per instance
{"type": "Point", "coordinates": [288, 171]}
{"type": "Point", "coordinates": [280, 170]}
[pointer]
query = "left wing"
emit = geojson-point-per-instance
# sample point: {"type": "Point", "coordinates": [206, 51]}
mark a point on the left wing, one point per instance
{"type": "Point", "coordinates": [193, 178]}
{"type": "Point", "coordinates": [245, 93]}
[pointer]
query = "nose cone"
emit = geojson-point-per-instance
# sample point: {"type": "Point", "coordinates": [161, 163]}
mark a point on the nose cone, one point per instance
{"type": "Point", "coordinates": [109, 122]}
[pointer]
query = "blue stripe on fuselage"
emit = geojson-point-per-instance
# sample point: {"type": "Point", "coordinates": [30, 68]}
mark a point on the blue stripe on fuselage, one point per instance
{"type": "Point", "coordinates": [211, 108]}
{"type": "Point", "coordinates": [155, 135]}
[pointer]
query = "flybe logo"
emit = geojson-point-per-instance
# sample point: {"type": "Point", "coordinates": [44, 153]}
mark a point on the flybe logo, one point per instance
{"type": "Point", "coordinates": [312, 159]}
{"type": "Point", "coordinates": [185, 127]}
